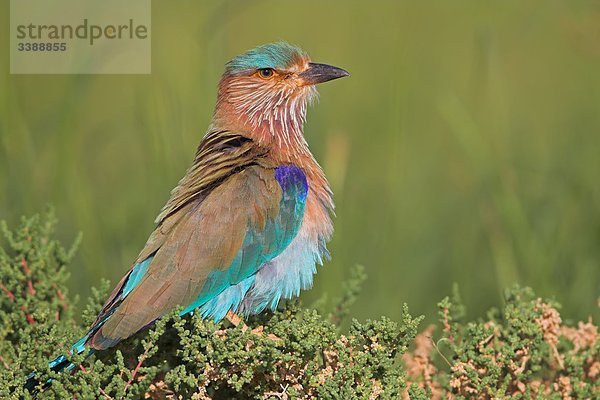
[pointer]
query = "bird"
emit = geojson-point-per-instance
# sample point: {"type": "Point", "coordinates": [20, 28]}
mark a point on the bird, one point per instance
{"type": "Point", "coordinates": [249, 222]}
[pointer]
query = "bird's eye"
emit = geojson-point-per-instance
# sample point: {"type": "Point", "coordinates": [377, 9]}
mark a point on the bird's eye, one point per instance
{"type": "Point", "coordinates": [265, 73]}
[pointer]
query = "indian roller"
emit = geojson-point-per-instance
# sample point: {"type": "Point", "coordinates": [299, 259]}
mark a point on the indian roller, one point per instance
{"type": "Point", "coordinates": [249, 221]}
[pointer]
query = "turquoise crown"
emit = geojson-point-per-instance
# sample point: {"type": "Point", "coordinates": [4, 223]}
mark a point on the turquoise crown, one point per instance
{"type": "Point", "coordinates": [278, 55]}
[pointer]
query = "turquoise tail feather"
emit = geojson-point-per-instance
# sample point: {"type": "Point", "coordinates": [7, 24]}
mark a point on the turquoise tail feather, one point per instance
{"type": "Point", "coordinates": [62, 363]}
{"type": "Point", "coordinates": [59, 364]}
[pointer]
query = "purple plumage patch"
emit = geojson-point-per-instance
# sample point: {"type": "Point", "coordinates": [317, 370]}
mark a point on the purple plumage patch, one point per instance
{"type": "Point", "coordinates": [292, 178]}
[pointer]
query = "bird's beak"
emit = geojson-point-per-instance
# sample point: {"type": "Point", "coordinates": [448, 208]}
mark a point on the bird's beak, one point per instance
{"type": "Point", "coordinates": [319, 73]}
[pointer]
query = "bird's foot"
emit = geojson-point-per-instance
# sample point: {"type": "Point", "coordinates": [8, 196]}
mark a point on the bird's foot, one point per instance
{"type": "Point", "coordinates": [259, 331]}
{"type": "Point", "coordinates": [236, 320]}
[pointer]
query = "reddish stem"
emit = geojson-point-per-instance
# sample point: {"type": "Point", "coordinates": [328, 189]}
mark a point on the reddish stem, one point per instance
{"type": "Point", "coordinates": [137, 367]}
{"type": "Point", "coordinates": [28, 316]}
{"type": "Point", "coordinates": [104, 394]}
{"type": "Point", "coordinates": [10, 295]}
{"type": "Point", "coordinates": [27, 271]}
{"type": "Point", "coordinates": [30, 288]}
{"type": "Point", "coordinates": [25, 267]}
{"type": "Point", "coordinates": [60, 296]}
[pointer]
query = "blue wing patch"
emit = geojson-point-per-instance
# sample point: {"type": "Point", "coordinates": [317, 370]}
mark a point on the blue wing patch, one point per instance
{"type": "Point", "coordinates": [136, 275]}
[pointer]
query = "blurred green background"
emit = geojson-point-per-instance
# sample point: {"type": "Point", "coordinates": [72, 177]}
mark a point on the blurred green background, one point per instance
{"type": "Point", "coordinates": [464, 148]}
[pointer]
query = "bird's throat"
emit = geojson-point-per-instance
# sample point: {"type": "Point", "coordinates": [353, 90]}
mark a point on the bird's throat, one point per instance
{"type": "Point", "coordinates": [275, 121]}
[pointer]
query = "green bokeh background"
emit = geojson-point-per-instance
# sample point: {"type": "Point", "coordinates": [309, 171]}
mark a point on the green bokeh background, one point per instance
{"type": "Point", "coordinates": [464, 148]}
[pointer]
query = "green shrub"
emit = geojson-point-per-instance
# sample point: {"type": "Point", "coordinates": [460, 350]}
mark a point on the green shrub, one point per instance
{"type": "Point", "coordinates": [300, 354]}
{"type": "Point", "coordinates": [524, 352]}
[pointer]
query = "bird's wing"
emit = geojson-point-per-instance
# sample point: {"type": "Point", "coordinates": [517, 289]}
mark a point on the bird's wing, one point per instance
{"type": "Point", "coordinates": [247, 218]}
{"type": "Point", "coordinates": [219, 155]}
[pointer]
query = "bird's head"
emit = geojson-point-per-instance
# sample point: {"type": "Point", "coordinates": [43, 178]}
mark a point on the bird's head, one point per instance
{"type": "Point", "coordinates": [267, 89]}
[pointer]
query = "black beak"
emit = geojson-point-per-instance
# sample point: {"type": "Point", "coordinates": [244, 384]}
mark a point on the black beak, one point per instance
{"type": "Point", "coordinates": [319, 73]}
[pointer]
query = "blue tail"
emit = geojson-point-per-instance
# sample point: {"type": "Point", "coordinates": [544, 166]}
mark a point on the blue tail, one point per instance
{"type": "Point", "coordinates": [59, 364]}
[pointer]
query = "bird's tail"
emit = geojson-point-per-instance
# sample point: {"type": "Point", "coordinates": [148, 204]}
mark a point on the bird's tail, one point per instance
{"type": "Point", "coordinates": [59, 364]}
